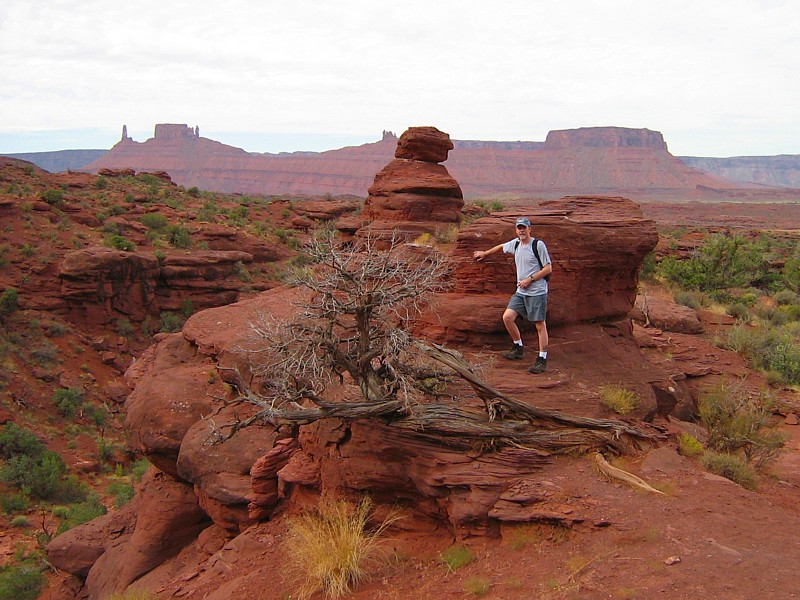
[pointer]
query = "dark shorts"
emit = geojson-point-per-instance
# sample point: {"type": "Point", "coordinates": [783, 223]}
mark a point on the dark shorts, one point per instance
{"type": "Point", "coordinates": [533, 308]}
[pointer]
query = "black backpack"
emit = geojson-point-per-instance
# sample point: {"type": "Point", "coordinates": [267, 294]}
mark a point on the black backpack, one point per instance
{"type": "Point", "coordinates": [534, 247]}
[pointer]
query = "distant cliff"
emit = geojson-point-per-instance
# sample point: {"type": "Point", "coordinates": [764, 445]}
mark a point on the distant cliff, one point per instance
{"type": "Point", "coordinates": [60, 160]}
{"type": "Point", "coordinates": [775, 171]}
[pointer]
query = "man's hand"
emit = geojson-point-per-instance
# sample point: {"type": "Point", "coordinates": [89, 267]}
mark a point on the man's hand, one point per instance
{"type": "Point", "coordinates": [478, 255]}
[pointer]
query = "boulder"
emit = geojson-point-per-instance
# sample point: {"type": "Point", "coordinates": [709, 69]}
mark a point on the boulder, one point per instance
{"type": "Point", "coordinates": [167, 518]}
{"type": "Point", "coordinates": [597, 246]}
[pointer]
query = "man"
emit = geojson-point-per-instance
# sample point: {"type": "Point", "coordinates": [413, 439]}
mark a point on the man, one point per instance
{"type": "Point", "coordinates": [530, 299]}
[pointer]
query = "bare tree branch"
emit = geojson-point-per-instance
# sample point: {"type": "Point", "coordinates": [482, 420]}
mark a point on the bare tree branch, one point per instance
{"type": "Point", "coordinates": [352, 327]}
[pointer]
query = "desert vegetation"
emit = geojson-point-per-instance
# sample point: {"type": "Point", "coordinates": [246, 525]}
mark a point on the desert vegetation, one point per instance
{"type": "Point", "coordinates": [755, 280]}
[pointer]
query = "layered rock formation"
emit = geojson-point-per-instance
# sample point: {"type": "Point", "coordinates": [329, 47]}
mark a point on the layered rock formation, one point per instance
{"type": "Point", "coordinates": [597, 245]}
{"type": "Point", "coordinates": [414, 194]}
{"type": "Point", "coordinates": [770, 171]}
{"type": "Point", "coordinates": [101, 284]}
{"type": "Point", "coordinates": [594, 160]}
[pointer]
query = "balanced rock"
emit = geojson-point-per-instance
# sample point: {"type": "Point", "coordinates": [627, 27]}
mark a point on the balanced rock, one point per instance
{"type": "Point", "coordinates": [414, 194]}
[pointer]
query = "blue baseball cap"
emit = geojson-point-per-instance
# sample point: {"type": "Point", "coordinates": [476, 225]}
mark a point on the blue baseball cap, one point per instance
{"type": "Point", "coordinates": [524, 221]}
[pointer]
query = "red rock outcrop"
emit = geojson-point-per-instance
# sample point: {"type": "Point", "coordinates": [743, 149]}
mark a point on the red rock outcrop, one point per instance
{"type": "Point", "coordinates": [100, 284]}
{"type": "Point", "coordinates": [414, 194]}
{"type": "Point", "coordinates": [593, 160]}
{"type": "Point", "coordinates": [596, 244]}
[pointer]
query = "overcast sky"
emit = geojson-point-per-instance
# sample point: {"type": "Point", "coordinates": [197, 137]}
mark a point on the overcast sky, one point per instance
{"type": "Point", "coordinates": [716, 78]}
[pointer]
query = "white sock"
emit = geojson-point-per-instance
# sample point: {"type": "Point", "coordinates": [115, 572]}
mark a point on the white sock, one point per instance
{"type": "Point", "coordinates": [518, 342]}
{"type": "Point", "coordinates": [543, 355]}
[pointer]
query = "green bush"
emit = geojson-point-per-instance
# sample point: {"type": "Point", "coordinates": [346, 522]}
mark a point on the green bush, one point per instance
{"type": "Point", "coordinates": [80, 513]}
{"type": "Point", "coordinates": [731, 467]}
{"type": "Point", "coordinates": [689, 299]}
{"type": "Point", "coordinates": [179, 236]}
{"type": "Point", "coordinates": [722, 262]}
{"type": "Point", "coordinates": [14, 503]}
{"type": "Point", "coordinates": [18, 441]}
{"type": "Point", "coordinates": [122, 491]}
{"type": "Point", "coordinates": [67, 401]}
{"type": "Point", "coordinates": [193, 191]}
{"type": "Point", "coordinates": [20, 521]}
{"type": "Point", "coordinates": [738, 311]}
{"type": "Point", "coordinates": [53, 197]}
{"type": "Point", "coordinates": [41, 477]}
{"type": "Point", "coordinates": [457, 556]}
{"type": "Point", "coordinates": [736, 423]}
{"type": "Point", "coordinates": [155, 221]}
{"type": "Point", "coordinates": [767, 347]}
{"type": "Point", "coordinates": [20, 583]}
{"type": "Point", "coordinates": [785, 297]}
{"type": "Point", "coordinates": [119, 243]}
{"type": "Point", "coordinates": [170, 322]}
{"type": "Point", "coordinates": [689, 445]}
{"type": "Point", "coordinates": [9, 302]}
{"type": "Point", "coordinates": [138, 469]}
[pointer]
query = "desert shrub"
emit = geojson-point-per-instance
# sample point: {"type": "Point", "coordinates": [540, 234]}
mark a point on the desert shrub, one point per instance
{"type": "Point", "coordinates": [22, 582]}
{"type": "Point", "coordinates": [791, 272]}
{"type": "Point", "coordinates": [647, 272]}
{"type": "Point", "coordinates": [18, 441]}
{"type": "Point", "coordinates": [169, 322]}
{"type": "Point", "coordinates": [27, 250]}
{"type": "Point", "coordinates": [20, 521]}
{"type": "Point", "coordinates": [44, 353]}
{"type": "Point", "coordinates": [737, 310]}
{"type": "Point", "coordinates": [767, 348]}
{"type": "Point", "coordinates": [457, 556]}
{"type": "Point", "coordinates": [241, 271]}
{"type": "Point", "coordinates": [497, 206]}
{"type": "Point", "coordinates": [179, 236]}
{"type": "Point", "coordinates": [731, 467]}
{"type": "Point", "coordinates": [80, 513]}
{"type": "Point", "coordinates": [118, 242]}
{"type": "Point", "coordinates": [138, 469]}
{"type": "Point", "coordinates": [44, 477]}
{"type": "Point", "coordinates": [690, 299]}
{"type": "Point", "coordinates": [424, 239]}
{"type": "Point", "coordinates": [155, 221]}
{"type": "Point", "coordinates": [736, 423]}
{"type": "Point", "coordinates": [124, 327]}
{"type": "Point", "coordinates": [617, 399]}
{"type": "Point", "coordinates": [67, 401]}
{"type": "Point", "coordinates": [101, 183]}
{"type": "Point", "coordinates": [187, 308]}
{"type": "Point", "coordinates": [477, 586]}
{"type": "Point", "coordinates": [791, 311]}
{"type": "Point", "coordinates": [193, 191]}
{"type": "Point", "coordinates": [12, 503]}
{"type": "Point", "coordinates": [122, 491]}
{"type": "Point", "coordinates": [689, 445]}
{"type": "Point", "coordinates": [332, 547]}
{"type": "Point", "coordinates": [446, 234]}
{"type": "Point", "coordinates": [53, 197]}
{"type": "Point", "coordinates": [9, 302]}
{"type": "Point", "coordinates": [722, 262]}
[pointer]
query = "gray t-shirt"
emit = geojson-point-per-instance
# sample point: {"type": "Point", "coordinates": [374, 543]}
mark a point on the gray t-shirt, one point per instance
{"type": "Point", "coordinates": [527, 265]}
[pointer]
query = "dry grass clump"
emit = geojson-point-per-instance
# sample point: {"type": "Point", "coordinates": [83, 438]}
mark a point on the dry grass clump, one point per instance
{"type": "Point", "coordinates": [617, 399]}
{"type": "Point", "coordinates": [332, 547]}
{"type": "Point", "coordinates": [457, 556]}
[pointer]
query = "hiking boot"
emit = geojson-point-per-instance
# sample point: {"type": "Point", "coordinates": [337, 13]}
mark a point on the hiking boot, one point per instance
{"type": "Point", "coordinates": [540, 366]}
{"type": "Point", "coordinates": [516, 352]}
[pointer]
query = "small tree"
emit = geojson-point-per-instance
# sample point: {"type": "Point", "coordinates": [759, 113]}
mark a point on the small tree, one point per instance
{"type": "Point", "coordinates": [353, 324]}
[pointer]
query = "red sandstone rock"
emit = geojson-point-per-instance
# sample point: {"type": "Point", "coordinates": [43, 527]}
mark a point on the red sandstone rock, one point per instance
{"type": "Point", "coordinates": [597, 246]}
{"type": "Point", "coordinates": [410, 196]}
{"type": "Point", "coordinates": [595, 160]}
{"type": "Point", "coordinates": [167, 517]}
{"type": "Point", "coordinates": [427, 144]}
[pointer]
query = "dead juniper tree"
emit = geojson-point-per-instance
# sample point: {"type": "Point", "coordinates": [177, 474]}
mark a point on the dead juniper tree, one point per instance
{"type": "Point", "coordinates": [352, 326]}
